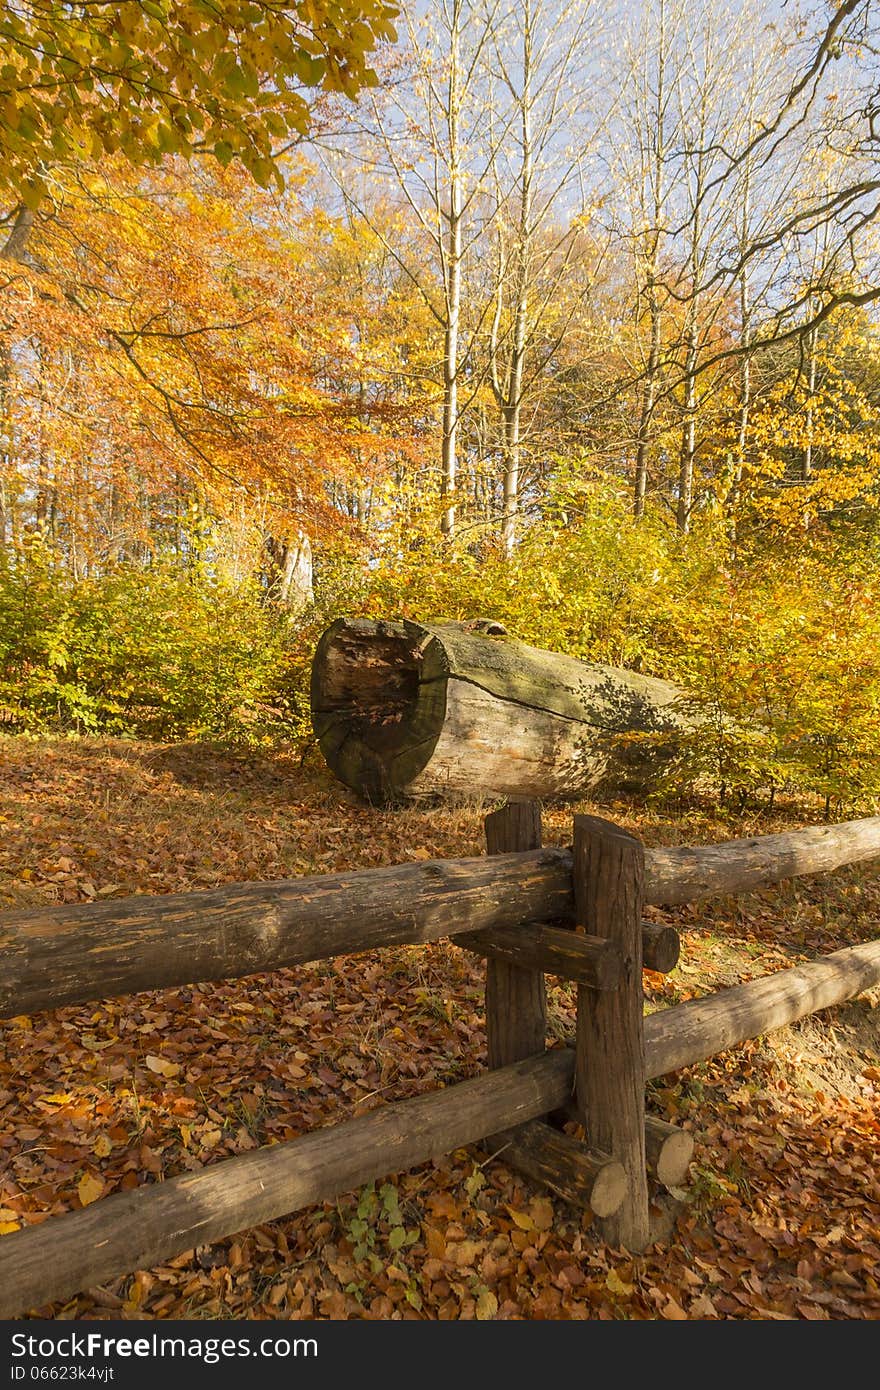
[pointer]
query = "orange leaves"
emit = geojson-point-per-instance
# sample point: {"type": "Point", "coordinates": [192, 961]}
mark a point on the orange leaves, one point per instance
{"type": "Point", "coordinates": [190, 351]}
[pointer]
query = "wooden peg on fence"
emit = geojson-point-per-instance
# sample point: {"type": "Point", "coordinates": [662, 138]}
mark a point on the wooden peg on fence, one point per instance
{"type": "Point", "coordinates": [551, 1157]}
{"type": "Point", "coordinates": [583, 959]}
{"type": "Point", "coordinates": [609, 875]}
{"type": "Point", "coordinates": [661, 947]}
{"type": "Point", "coordinates": [516, 999]}
{"type": "Point", "coordinates": [668, 1151]}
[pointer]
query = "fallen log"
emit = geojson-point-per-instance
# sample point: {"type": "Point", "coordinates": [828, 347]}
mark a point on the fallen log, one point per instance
{"type": "Point", "coordinates": [139, 1229]}
{"type": "Point", "coordinates": [405, 709]}
{"type": "Point", "coordinates": [78, 952]}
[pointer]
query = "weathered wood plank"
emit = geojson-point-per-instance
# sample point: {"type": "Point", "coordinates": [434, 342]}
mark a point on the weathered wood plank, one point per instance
{"type": "Point", "coordinates": [609, 870]}
{"type": "Point", "coordinates": [516, 997]}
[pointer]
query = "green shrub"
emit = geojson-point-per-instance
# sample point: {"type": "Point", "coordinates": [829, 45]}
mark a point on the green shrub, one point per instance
{"type": "Point", "coordinates": [153, 653]}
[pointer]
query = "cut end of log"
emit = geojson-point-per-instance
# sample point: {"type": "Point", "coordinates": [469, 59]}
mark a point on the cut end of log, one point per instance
{"type": "Point", "coordinates": [661, 947]}
{"type": "Point", "coordinates": [583, 1176]}
{"type": "Point", "coordinates": [378, 701]}
{"type": "Point", "coordinates": [669, 1151]}
{"type": "Point", "coordinates": [609, 1189]}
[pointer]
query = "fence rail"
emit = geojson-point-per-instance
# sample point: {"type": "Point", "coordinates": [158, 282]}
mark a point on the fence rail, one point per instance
{"type": "Point", "coordinates": [79, 952]}
{"type": "Point", "coordinates": [529, 911]}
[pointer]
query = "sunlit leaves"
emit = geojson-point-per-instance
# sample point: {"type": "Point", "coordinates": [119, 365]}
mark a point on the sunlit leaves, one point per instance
{"type": "Point", "coordinates": [153, 77]}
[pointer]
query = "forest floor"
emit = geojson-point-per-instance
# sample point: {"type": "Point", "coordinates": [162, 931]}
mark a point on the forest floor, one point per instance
{"type": "Point", "coordinates": [781, 1218]}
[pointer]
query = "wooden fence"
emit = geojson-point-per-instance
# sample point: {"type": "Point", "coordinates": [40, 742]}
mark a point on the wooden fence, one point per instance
{"type": "Point", "coordinates": [574, 913]}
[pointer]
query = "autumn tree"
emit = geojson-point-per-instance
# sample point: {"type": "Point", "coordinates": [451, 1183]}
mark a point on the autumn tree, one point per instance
{"type": "Point", "coordinates": [230, 78]}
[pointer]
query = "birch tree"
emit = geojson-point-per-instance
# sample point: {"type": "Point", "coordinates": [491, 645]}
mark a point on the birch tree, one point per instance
{"type": "Point", "coordinates": [538, 187]}
{"type": "Point", "coordinates": [430, 136]}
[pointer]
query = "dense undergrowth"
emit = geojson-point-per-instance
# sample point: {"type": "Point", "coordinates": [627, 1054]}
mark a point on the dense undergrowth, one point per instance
{"type": "Point", "coordinates": [776, 646]}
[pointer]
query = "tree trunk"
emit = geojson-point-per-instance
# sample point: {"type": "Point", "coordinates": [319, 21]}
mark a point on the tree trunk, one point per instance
{"type": "Point", "coordinates": [405, 709]}
{"type": "Point", "coordinates": [807, 456]}
{"type": "Point", "coordinates": [687, 458]}
{"type": "Point", "coordinates": [15, 246]}
{"type": "Point", "coordinates": [289, 571]}
{"type": "Point", "coordinates": [452, 253]}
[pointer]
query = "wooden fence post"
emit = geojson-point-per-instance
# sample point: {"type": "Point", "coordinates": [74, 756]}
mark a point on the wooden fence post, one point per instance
{"type": "Point", "coordinates": [609, 875]}
{"type": "Point", "coordinates": [516, 1000]}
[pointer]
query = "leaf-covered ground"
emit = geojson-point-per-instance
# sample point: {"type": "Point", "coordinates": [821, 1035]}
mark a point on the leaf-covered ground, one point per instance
{"type": "Point", "coordinates": [782, 1215]}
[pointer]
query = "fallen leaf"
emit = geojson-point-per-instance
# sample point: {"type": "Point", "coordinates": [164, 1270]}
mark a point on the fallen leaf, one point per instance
{"type": "Point", "coordinates": [487, 1306]}
{"type": "Point", "coordinates": [616, 1285]}
{"type": "Point", "coordinates": [435, 1243]}
{"type": "Point", "coordinates": [162, 1066]}
{"type": "Point", "coordinates": [89, 1189]}
{"type": "Point", "coordinates": [522, 1219]}
{"type": "Point", "coordinates": [673, 1311]}
{"type": "Point", "coordinates": [541, 1212]}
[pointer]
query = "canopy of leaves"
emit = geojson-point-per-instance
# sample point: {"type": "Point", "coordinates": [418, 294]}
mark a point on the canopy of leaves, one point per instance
{"type": "Point", "coordinates": [156, 77]}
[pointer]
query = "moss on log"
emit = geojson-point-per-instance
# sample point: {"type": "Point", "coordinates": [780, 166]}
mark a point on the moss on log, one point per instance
{"type": "Point", "coordinates": [405, 709]}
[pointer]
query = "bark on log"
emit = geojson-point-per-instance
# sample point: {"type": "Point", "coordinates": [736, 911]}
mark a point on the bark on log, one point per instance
{"type": "Point", "coordinates": [691, 1032]}
{"type": "Point", "coordinates": [516, 996]}
{"type": "Point", "coordinates": [405, 709]}
{"type": "Point", "coordinates": [144, 1227]}
{"type": "Point", "coordinates": [78, 952]}
{"type": "Point", "coordinates": [688, 874]}
{"type": "Point", "coordinates": [609, 873]}
{"type": "Point", "coordinates": [75, 953]}
{"type": "Point", "coordinates": [548, 1156]}
{"type": "Point", "coordinates": [661, 947]}
{"type": "Point", "coordinates": [586, 960]}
